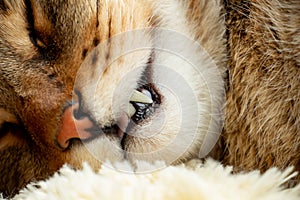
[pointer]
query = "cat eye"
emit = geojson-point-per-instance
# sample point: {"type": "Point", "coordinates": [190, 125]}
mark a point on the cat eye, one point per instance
{"type": "Point", "coordinates": [36, 41]}
{"type": "Point", "coordinates": [143, 103]}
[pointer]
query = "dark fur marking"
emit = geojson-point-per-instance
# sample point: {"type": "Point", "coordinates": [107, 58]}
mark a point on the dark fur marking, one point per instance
{"type": "Point", "coordinates": [51, 76]}
{"type": "Point", "coordinates": [97, 22]}
{"type": "Point", "coordinates": [107, 56]}
{"type": "Point", "coordinates": [84, 53]}
{"type": "Point", "coordinates": [3, 6]}
{"type": "Point", "coordinates": [96, 41]}
{"type": "Point", "coordinates": [30, 19]}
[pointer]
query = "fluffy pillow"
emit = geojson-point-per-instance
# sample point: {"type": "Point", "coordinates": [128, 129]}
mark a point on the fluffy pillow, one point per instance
{"type": "Point", "coordinates": [193, 180]}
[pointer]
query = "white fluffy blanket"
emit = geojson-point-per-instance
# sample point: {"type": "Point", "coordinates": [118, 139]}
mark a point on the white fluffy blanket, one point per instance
{"type": "Point", "coordinates": [192, 181]}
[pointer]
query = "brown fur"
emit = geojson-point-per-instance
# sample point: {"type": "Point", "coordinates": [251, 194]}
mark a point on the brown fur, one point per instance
{"type": "Point", "coordinates": [262, 123]}
{"type": "Point", "coordinates": [36, 79]}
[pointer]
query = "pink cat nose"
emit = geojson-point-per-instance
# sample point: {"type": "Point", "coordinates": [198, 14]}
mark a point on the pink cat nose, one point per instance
{"type": "Point", "coordinates": [73, 127]}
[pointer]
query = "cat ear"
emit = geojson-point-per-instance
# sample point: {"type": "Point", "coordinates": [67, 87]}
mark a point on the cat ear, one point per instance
{"type": "Point", "coordinates": [9, 129]}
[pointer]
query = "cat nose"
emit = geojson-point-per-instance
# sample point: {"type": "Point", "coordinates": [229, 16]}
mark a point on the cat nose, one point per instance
{"type": "Point", "coordinates": [74, 125]}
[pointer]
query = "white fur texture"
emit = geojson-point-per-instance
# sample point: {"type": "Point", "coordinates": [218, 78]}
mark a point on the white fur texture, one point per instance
{"type": "Point", "coordinates": [202, 181]}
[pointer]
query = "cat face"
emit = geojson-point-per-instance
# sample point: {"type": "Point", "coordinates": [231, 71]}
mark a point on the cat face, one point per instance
{"type": "Point", "coordinates": [104, 80]}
